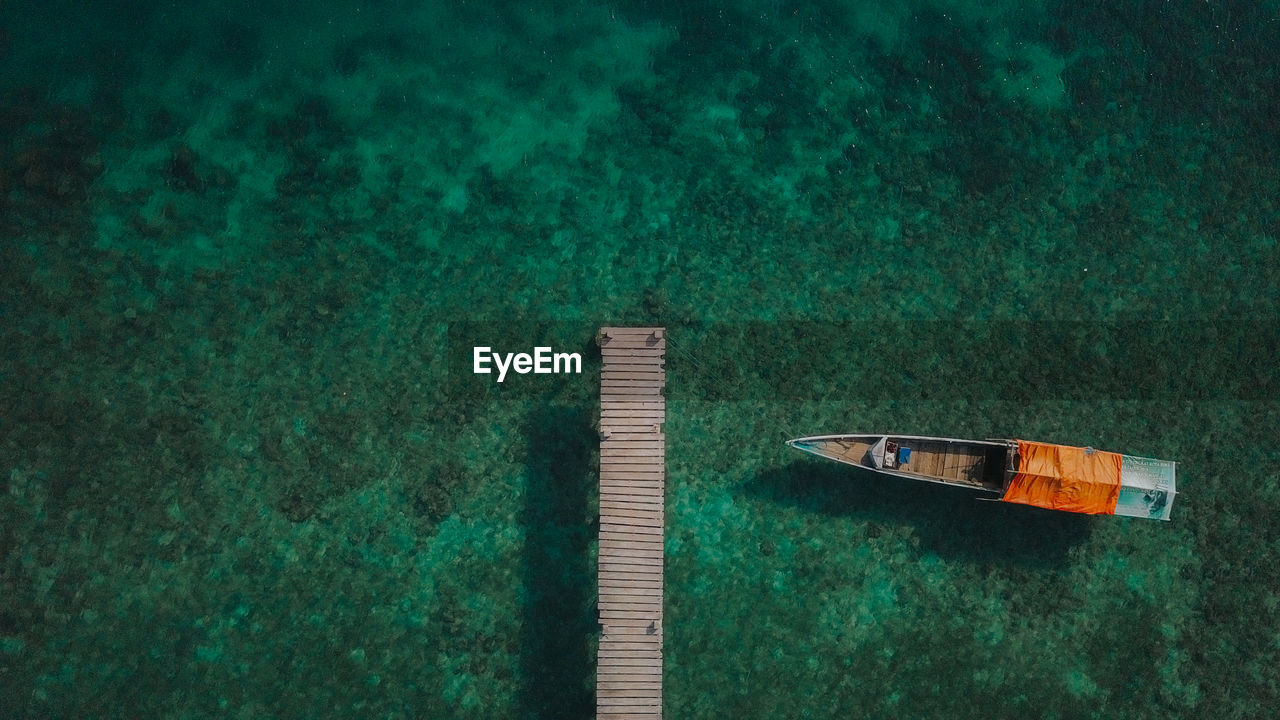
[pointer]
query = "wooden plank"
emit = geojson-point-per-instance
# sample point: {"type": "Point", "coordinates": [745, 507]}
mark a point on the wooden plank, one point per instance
{"type": "Point", "coordinates": [654, 621]}
{"type": "Point", "coordinates": [610, 387]}
{"type": "Point", "coordinates": [650, 443]}
{"type": "Point", "coordinates": [621, 562]}
{"type": "Point", "coordinates": [632, 660]}
{"type": "Point", "coordinates": [617, 578]}
{"type": "Point", "coordinates": [609, 593]}
{"type": "Point", "coordinates": [612, 587]}
{"type": "Point", "coordinates": [656, 448]}
{"type": "Point", "coordinates": [653, 517]}
{"type": "Point", "coordinates": [637, 665]}
{"type": "Point", "coordinates": [611, 577]}
{"type": "Point", "coordinates": [622, 523]}
{"type": "Point", "coordinates": [650, 547]}
{"type": "Point", "coordinates": [628, 474]}
{"type": "Point", "coordinates": [623, 495]}
{"type": "Point", "coordinates": [614, 413]}
{"type": "Point", "coordinates": [619, 703]}
{"type": "Point", "coordinates": [619, 687]}
{"type": "Point", "coordinates": [625, 538]}
{"type": "Point", "coordinates": [630, 540]}
{"type": "Point", "coordinates": [650, 700]}
{"type": "Point", "coordinates": [620, 359]}
{"type": "Point", "coordinates": [615, 562]}
{"type": "Point", "coordinates": [627, 424]}
{"type": "Point", "coordinates": [655, 653]}
{"type": "Point", "coordinates": [631, 425]}
{"type": "Point", "coordinates": [605, 575]}
{"type": "Point", "coordinates": [616, 330]}
{"type": "Point", "coordinates": [641, 435]}
{"type": "Point", "coordinates": [641, 463]}
{"type": "Point", "coordinates": [639, 605]}
{"type": "Point", "coordinates": [640, 452]}
{"type": "Point", "coordinates": [651, 484]}
{"type": "Point", "coordinates": [652, 351]}
{"type": "Point", "coordinates": [619, 574]}
{"type": "Point", "coordinates": [649, 573]}
{"type": "Point", "coordinates": [611, 375]}
{"type": "Point", "coordinates": [653, 415]}
{"type": "Point", "coordinates": [610, 501]}
{"type": "Point", "coordinates": [626, 347]}
{"type": "Point", "coordinates": [640, 673]}
{"type": "Point", "coordinates": [625, 586]}
{"type": "Point", "coordinates": [635, 699]}
{"type": "Point", "coordinates": [632, 335]}
{"type": "Point", "coordinates": [647, 426]}
{"type": "Point", "coordinates": [630, 464]}
{"type": "Point", "coordinates": [632, 492]}
{"type": "Point", "coordinates": [637, 542]}
{"type": "Point", "coordinates": [644, 471]}
{"type": "Point", "coordinates": [626, 492]}
{"type": "Point", "coordinates": [630, 391]}
{"type": "Point", "coordinates": [652, 490]}
{"type": "Point", "coordinates": [646, 555]}
{"type": "Point", "coordinates": [620, 471]}
{"type": "Point", "coordinates": [644, 463]}
{"type": "Point", "coordinates": [619, 599]}
{"type": "Point", "coordinates": [632, 630]}
{"type": "Point", "coordinates": [643, 682]}
{"type": "Point", "coordinates": [619, 527]}
{"type": "Point", "coordinates": [641, 691]}
{"type": "Point", "coordinates": [632, 404]}
{"type": "Point", "coordinates": [637, 694]}
{"type": "Point", "coordinates": [643, 365]}
{"type": "Point", "coordinates": [634, 343]}
{"type": "Point", "coordinates": [651, 337]}
{"type": "Point", "coordinates": [631, 524]}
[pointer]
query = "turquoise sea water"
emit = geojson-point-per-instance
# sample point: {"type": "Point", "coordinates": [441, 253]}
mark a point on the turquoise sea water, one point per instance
{"type": "Point", "coordinates": [246, 251]}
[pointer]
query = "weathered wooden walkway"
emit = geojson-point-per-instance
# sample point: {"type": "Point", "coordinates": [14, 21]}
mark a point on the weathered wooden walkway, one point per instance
{"type": "Point", "coordinates": [632, 472]}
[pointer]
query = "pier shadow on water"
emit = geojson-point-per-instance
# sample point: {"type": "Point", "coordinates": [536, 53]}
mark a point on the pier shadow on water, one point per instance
{"type": "Point", "coordinates": [951, 522]}
{"type": "Point", "coordinates": [559, 587]}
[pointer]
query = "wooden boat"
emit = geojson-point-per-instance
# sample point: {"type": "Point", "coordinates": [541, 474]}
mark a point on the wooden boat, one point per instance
{"type": "Point", "coordinates": [1057, 477]}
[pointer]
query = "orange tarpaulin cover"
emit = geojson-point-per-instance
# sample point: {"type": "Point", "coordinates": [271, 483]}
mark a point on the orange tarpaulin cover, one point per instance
{"type": "Point", "coordinates": [1066, 478]}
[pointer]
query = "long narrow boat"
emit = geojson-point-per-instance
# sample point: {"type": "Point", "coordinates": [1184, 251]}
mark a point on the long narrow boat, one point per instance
{"type": "Point", "coordinates": [1057, 477]}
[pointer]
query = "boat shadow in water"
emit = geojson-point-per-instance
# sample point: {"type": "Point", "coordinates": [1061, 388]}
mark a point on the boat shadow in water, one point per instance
{"type": "Point", "coordinates": [951, 522]}
{"type": "Point", "coordinates": [558, 576]}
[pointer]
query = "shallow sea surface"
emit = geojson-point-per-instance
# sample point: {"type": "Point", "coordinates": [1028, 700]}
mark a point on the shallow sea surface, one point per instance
{"type": "Point", "coordinates": [246, 250]}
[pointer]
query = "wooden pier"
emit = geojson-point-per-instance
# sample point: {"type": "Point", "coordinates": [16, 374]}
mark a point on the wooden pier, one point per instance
{"type": "Point", "coordinates": [632, 480]}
